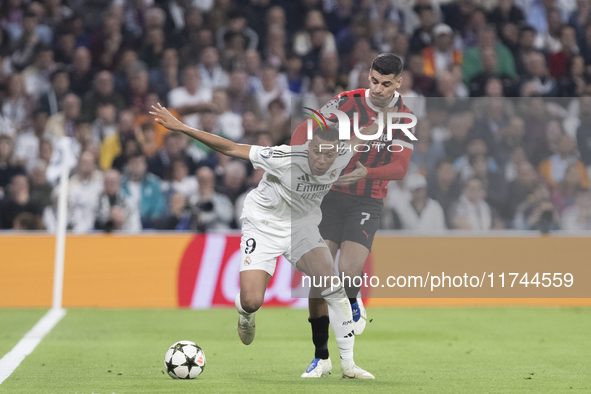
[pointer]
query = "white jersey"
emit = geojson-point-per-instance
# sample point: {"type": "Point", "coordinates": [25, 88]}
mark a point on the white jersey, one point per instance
{"type": "Point", "coordinates": [289, 195]}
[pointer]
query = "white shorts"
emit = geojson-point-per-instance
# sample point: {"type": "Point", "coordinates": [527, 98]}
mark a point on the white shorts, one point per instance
{"type": "Point", "coordinates": [260, 248]}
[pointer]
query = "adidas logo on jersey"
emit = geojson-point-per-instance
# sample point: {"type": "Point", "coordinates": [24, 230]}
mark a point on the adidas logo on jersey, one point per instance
{"type": "Point", "coordinates": [304, 177]}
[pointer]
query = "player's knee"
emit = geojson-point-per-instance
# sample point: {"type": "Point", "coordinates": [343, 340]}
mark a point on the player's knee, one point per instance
{"type": "Point", "coordinates": [251, 304]}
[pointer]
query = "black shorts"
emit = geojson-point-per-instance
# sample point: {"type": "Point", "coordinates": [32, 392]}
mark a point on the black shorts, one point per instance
{"type": "Point", "coordinates": [346, 217]}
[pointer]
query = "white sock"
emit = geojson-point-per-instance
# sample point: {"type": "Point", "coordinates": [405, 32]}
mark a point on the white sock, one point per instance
{"type": "Point", "coordinates": [341, 320]}
{"type": "Point", "coordinates": [239, 307]}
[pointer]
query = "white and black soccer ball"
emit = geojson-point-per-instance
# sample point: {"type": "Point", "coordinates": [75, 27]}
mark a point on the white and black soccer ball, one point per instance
{"type": "Point", "coordinates": [184, 360]}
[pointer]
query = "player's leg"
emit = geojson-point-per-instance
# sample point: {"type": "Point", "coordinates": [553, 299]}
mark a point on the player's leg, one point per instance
{"type": "Point", "coordinates": [360, 226]}
{"type": "Point", "coordinates": [319, 321]}
{"type": "Point", "coordinates": [318, 264]}
{"type": "Point", "coordinates": [351, 262]}
{"type": "Point", "coordinates": [330, 228]}
{"type": "Point", "coordinates": [253, 284]}
{"type": "Point", "coordinates": [259, 255]}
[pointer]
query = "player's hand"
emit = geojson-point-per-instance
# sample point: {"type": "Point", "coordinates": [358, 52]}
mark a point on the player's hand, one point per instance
{"type": "Point", "coordinates": [165, 118]}
{"type": "Point", "coordinates": [359, 173]}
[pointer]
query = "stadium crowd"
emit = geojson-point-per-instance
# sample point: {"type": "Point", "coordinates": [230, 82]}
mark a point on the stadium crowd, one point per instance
{"type": "Point", "coordinates": [502, 90]}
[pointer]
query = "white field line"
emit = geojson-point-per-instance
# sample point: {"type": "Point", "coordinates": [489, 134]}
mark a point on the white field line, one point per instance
{"type": "Point", "coordinates": [29, 342]}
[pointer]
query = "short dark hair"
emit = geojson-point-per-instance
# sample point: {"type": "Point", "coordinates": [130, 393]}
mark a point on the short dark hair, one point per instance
{"type": "Point", "coordinates": [387, 63]}
{"type": "Point", "coordinates": [329, 134]}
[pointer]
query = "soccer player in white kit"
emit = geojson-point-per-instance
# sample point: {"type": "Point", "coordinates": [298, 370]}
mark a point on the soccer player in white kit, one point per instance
{"type": "Point", "coordinates": [281, 217]}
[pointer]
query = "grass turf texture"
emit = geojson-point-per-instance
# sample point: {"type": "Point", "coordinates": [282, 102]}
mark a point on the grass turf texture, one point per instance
{"type": "Point", "coordinates": [14, 324]}
{"type": "Point", "coordinates": [410, 350]}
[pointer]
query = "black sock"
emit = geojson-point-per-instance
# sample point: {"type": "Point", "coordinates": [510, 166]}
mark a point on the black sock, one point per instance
{"type": "Point", "coordinates": [351, 290]}
{"type": "Point", "coordinates": [320, 336]}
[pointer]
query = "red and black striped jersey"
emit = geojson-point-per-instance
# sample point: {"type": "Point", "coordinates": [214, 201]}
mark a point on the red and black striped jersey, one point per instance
{"type": "Point", "coordinates": [381, 152]}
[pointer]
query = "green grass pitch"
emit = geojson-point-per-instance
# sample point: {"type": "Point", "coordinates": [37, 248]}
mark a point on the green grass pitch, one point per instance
{"type": "Point", "coordinates": [409, 350]}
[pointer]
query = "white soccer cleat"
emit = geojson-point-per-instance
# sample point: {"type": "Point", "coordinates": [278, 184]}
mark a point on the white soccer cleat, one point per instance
{"type": "Point", "coordinates": [246, 328]}
{"type": "Point", "coordinates": [318, 368]}
{"type": "Point", "coordinates": [354, 372]}
{"type": "Point", "coordinates": [359, 315]}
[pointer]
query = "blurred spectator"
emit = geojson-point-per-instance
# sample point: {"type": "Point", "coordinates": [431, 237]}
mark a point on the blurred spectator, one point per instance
{"type": "Point", "coordinates": [254, 70]}
{"type": "Point", "coordinates": [8, 167]}
{"type": "Point", "coordinates": [62, 124]}
{"type": "Point", "coordinates": [17, 106]}
{"type": "Point", "coordinates": [476, 147]}
{"type": "Point", "coordinates": [478, 83]}
{"type": "Point", "coordinates": [573, 83]}
{"type": "Point", "coordinates": [538, 81]}
{"type": "Point", "coordinates": [554, 168]}
{"type": "Point", "coordinates": [563, 194]}
{"type": "Point", "coordinates": [40, 189]}
{"type": "Point", "coordinates": [578, 217]}
{"type": "Point", "coordinates": [81, 73]}
{"type": "Point", "coordinates": [114, 210]}
{"type": "Point", "coordinates": [234, 180]}
{"type": "Point", "coordinates": [138, 90]}
{"type": "Point", "coordinates": [211, 72]}
{"type": "Point", "coordinates": [419, 213]}
{"type": "Point", "coordinates": [423, 84]}
{"type": "Point", "coordinates": [584, 133]}
{"type": "Point", "coordinates": [538, 212]}
{"type": "Point", "coordinates": [153, 47]}
{"type": "Point", "coordinates": [190, 93]}
{"type": "Point", "coordinates": [548, 40]}
{"type": "Point", "coordinates": [161, 164]}
{"type": "Point", "coordinates": [37, 75]}
{"type": "Point", "coordinates": [252, 182]}
{"type": "Point", "coordinates": [457, 13]}
{"type": "Point", "coordinates": [144, 190]}
{"type": "Point", "coordinates": [52, 101]}
{"type": "Point", "coordinates": [495, 117]}
{"type": "Point", "coordinates": [336, 82]}
{"type": "Point", "coordinates": [165, 76]}
{"type": "Point", "coordinates": [271, 91]}
{"type": "Point", "coordinates": [241, 101]}
{"type": "Point", "coordinates": [105, 123]}
{"type": "Point", "coordinates": [421, 37]}
{"type": "Point", "coordinates": [506, 12]}
{"type": "Point", "coordinates": [23, 50]}
{"type": "Point", "coordinates": [16, 202]}
{"type": "Point", "coordinates": [445, 187]}
{"type": "Point", "coordinates": [181, 181]}
{"type": "Point", "coordinates": [519, 189]}
{"type": "Point", "coordinates": [314, 37]}
{"type": "Point", "coordinates": [148, 138]}
{"type": "Point", "coordinates": [129, 149]}
{"type": "Point", "coordinates": [441, 55]}
{"type": "Point", "coordinates": [26, 151]}
{"type": "Point", "coordinates": [510, 137]}
{"type": "Point", "coordinates": [493, 182]}
{"type": "Point", "coordinates": [84, 189]}
{"type": "Point", "coordinates": [472, 212]}
{"type": "Point", "coordinates": [236, 23]}
{"type": "Point", "coordinates": [211, 210]}
{"type": "Point", "coordinates": [102, 93]}
{"type": "Point", "coordinates": [178, 216]}
{"type": "Point", "coordinates": [472, 61]}
{"type": "Point", "coordinates": [230, 123]}
{"type": "Point", "coordinates": [560, 61]}
{"type": "Point", "coordinates": [427, 152]}
{"type": "Point", "coordinates": [455, 146]}
{"type": "Point", "coordinates": [112, 145]}
{"type": "Point", "coordinates": [279, 123]}
{"type": "Point", "coordinates": [107, 44]}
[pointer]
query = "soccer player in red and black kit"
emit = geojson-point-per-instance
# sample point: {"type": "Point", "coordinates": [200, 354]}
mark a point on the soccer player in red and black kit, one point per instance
{"type": "Point", "coordinates": [351, 210]}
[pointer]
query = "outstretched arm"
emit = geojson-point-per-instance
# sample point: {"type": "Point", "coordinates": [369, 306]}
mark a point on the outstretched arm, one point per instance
{"type": "Point", "coordinates": [217, 143]}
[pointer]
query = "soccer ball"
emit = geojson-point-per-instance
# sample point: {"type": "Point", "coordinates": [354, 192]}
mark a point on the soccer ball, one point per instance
{"type": "Point", "coordinates": [184, 360]}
